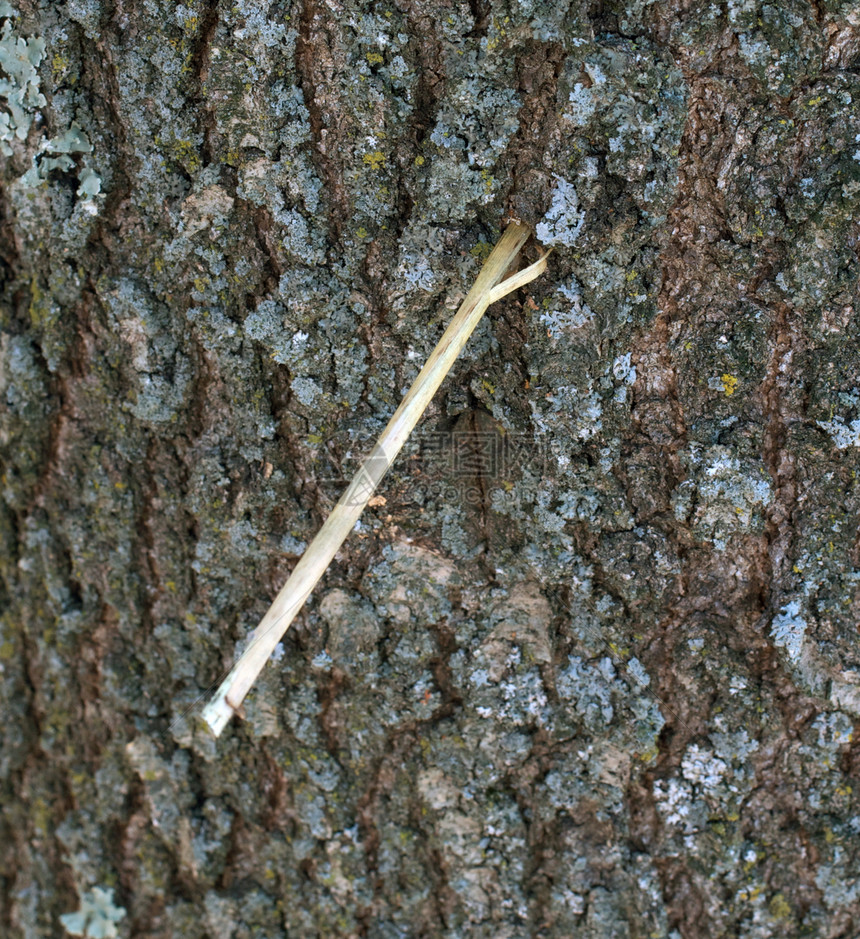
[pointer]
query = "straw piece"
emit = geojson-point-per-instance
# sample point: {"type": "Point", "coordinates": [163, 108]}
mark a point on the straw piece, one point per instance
{"type": "Point", "coordinates": [488, 288]}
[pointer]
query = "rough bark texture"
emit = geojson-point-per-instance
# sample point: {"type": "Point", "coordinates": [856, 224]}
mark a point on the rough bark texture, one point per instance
{"type": "Point", "coordinates": [591, 667]}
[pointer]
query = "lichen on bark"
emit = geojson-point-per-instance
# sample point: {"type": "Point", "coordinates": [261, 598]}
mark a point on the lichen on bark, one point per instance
{"type": "Point", "coordinates": [589, 666]}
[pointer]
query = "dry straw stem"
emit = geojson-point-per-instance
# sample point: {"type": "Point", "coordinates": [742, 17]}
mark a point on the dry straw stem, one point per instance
{"type": "Point", "coordinates": [489, 287]}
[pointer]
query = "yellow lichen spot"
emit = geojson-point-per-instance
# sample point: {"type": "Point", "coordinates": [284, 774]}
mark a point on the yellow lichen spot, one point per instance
{"type": "Point", "coordinates": [158, 264]}
{"type": "Point", "coordinates": [40, 305]}
{"type": "Point", "coordinates": [419, 161]}
{"type": "Point", "coordinates": [374, 58]}
{"type": "Point", "coordinates": [797, 569]}
{"type": "Point", "coordinates": [488, 385]}
{"type": "Point", "coordinates": [314, 438]}
{"type": "Point", "coordinates": [59, 64]}
{"type": "Point", "coordinates": [361, 232]}
{"type": "Point", "coordinates": [779, 907]}
{"type": "Point", "coordinates": [481, 251]}
{"type": "Point", "coordinates": [374, 160]}
{"type": "Point", "coordinates": [186, 154]}
{"type": "Point", "coordinates": [650, 754]}
{"type": "Point", "coordinates": [730, 383]}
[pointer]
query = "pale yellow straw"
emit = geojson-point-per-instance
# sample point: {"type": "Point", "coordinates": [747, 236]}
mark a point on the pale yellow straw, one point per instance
{"type": "Point", "coordinates": [488, 288]}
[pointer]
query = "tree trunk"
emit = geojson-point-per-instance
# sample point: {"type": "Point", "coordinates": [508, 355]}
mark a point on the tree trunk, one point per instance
{"type": "Point", "coordinates": [589, 665]}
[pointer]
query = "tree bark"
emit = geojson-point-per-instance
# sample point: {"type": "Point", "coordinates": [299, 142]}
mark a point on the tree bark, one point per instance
{"type": "Point", "coordinates": [589, 665]}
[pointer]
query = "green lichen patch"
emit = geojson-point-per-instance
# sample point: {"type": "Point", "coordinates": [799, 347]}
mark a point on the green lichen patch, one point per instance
{"type": "Point", "coordinates": [20, 96]}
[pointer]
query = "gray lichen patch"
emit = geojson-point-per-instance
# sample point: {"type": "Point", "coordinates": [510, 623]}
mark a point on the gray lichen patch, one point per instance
{"type": "Point", "coordinates": [23, 104]}
{"type": "Point", "coordinates": [637, 123]}
{"type": "Point", "coordinates": [722, 497]}
{"type": "Point", "coordinates": [411, 577]}
{"type": "Point", "coordinates": [816, 620]}
{"type": "Point", "coordinates": [564, 219]}
{"type": "Point", "coordinates": [97, 916]}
